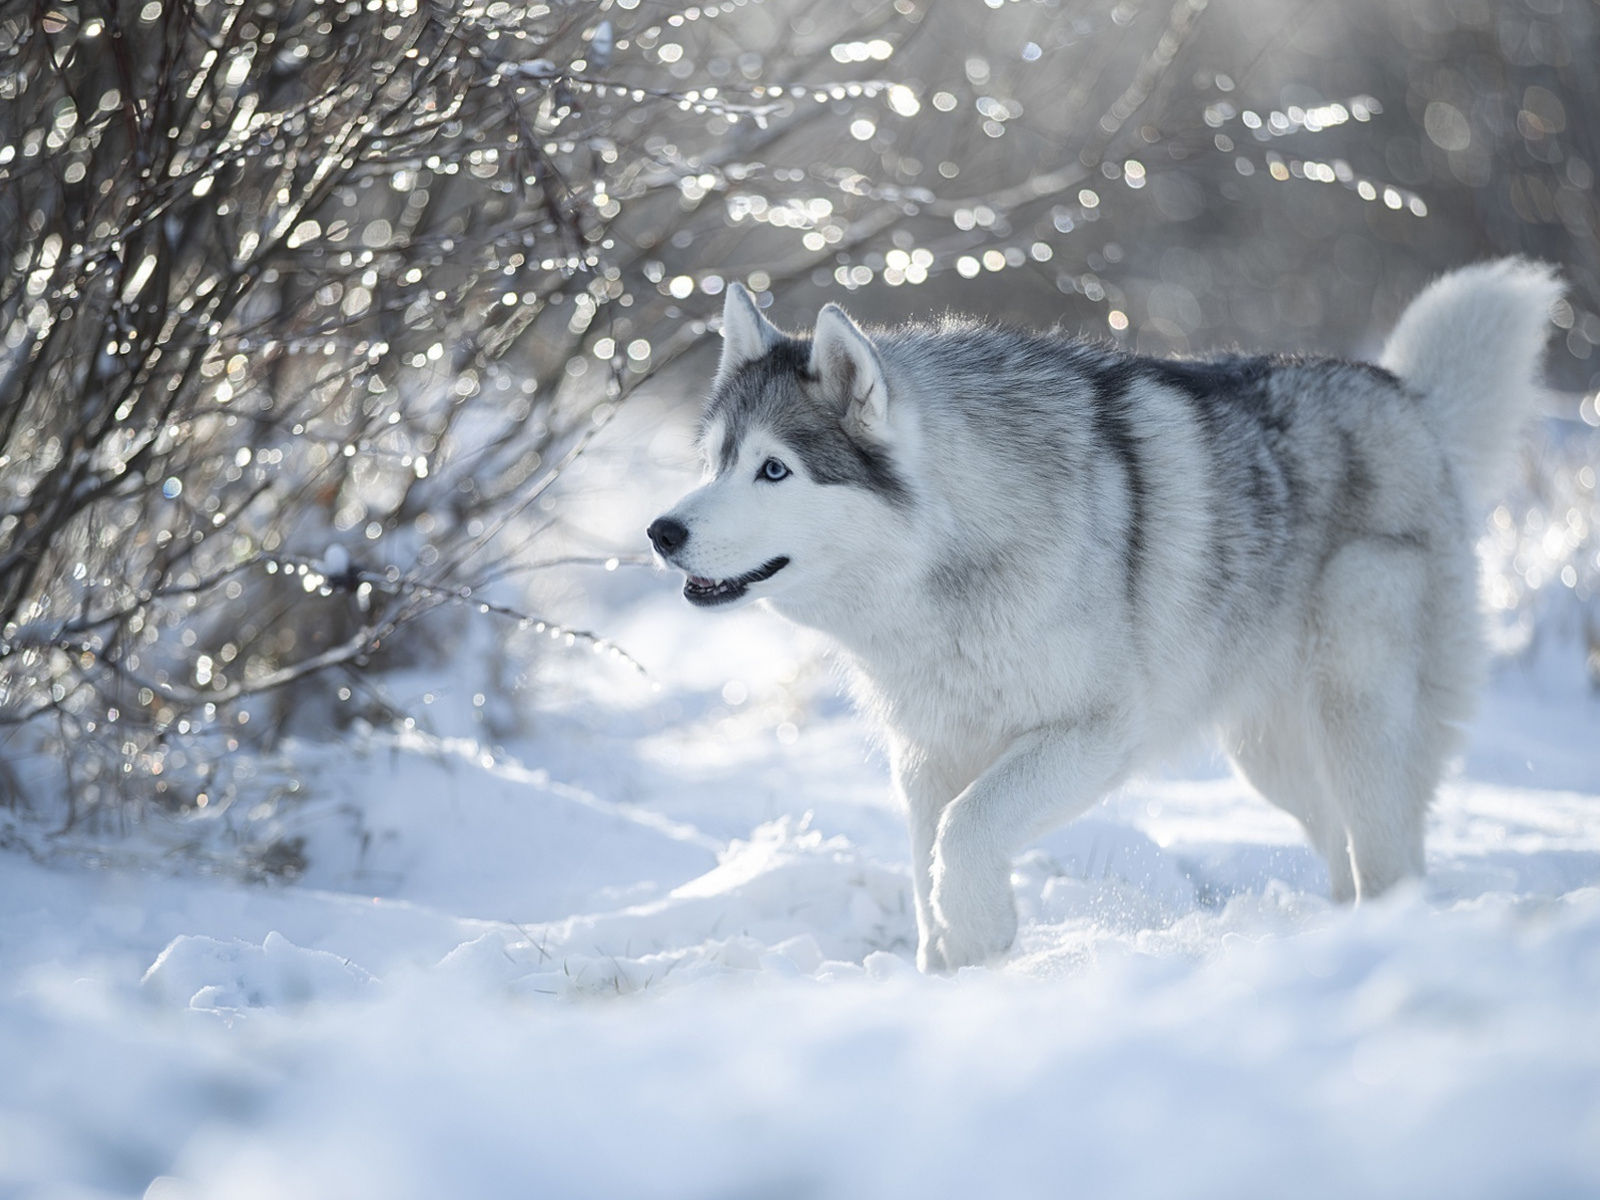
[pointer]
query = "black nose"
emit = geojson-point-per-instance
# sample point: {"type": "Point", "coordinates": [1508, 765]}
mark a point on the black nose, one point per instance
{"type": "Point", "coordinates": [667, 535]}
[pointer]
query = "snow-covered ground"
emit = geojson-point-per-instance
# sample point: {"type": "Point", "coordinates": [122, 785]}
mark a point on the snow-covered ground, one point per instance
{"type": "Point", "coordinates": [658, 944]}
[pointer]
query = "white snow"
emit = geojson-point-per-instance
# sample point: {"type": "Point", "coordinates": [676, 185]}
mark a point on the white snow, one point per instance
{"type": "Point", "coordinates": [659, 945]}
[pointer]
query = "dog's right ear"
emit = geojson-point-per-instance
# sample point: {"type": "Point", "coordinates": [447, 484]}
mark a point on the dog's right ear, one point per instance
{"type": "Point", "coordinates": [746, 334]}
{"type": "Point", "coordinates": [846, 362]}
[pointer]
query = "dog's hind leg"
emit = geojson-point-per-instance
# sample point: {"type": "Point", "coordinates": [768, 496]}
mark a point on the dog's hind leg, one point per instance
{"type": "Point", "coordinates": [1274, 756]}
{"type": "Point", "coordinates": [1372, 729]}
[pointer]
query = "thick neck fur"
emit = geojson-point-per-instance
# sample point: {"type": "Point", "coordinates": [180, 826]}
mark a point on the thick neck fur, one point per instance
{"type": "Point", "coordinates": [923, 600]}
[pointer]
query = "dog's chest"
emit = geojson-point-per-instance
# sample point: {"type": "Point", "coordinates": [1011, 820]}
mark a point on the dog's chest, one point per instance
{"type": "Point", "coordinates": [962, 690]}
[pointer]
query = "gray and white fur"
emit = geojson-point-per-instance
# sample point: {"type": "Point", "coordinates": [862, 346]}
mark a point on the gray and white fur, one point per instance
{"type": "Point", "coordinates": [1048, 562]}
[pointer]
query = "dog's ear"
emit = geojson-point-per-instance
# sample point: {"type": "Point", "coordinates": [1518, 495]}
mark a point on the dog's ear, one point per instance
{"type": "Point", "coordinates": [847, 364]}
{"type": "Point", "coordinates": [746, 334]}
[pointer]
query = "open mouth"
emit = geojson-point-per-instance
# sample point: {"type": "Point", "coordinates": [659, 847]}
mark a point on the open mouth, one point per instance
{"type": "Point", "coordinates": [697, 589]}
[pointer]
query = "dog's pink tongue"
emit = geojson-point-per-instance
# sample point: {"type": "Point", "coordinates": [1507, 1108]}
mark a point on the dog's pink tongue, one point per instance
{"type": "Point", "coordinates": [700, 581]}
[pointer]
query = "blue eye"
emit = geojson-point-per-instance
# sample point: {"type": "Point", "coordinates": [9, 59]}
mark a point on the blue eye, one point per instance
{"type": "Point", "coordinates": [772, 470]}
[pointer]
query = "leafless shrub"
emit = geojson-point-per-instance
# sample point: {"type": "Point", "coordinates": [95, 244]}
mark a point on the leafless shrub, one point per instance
{"type": "Point", "coordinates": [294, 314]}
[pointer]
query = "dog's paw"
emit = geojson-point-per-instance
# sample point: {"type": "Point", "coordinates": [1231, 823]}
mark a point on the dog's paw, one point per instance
{"type": "Point", "coordinates": [977, 919]}
{"type": "Point", "coordinates": [952, 950]}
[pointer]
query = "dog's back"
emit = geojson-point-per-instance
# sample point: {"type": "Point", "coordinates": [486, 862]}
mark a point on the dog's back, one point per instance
{"type": "Point", "coordinates": [1187, 510]}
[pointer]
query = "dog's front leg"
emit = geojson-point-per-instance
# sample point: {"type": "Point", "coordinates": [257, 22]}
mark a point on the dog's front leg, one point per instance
{"type": "Point", "coordinates": [925, 795]}
{"type": "Point", "coordinates": [1045, 776]}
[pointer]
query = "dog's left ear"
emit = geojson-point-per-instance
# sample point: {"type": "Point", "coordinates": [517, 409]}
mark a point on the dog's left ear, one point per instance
{"type": "Point", "coordinates": [847, 364]}
{"type": "Point", "coordinates": [746, 333]}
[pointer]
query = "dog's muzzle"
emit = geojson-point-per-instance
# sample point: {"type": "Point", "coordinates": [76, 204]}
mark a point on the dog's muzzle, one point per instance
{"type": "Point", "coordinates": [669, 535]}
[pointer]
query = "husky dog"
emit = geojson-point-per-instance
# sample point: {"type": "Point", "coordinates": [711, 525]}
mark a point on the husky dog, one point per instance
{"type": "Point", "coordinates": [1048, 561]}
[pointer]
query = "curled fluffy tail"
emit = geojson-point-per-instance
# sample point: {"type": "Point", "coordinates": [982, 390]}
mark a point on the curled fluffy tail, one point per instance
{"type": "Point", "coordinates": [1472, 344]}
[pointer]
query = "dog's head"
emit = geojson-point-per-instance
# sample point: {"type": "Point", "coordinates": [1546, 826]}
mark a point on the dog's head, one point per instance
{"type": "Point", "coordinates": [797, 439]}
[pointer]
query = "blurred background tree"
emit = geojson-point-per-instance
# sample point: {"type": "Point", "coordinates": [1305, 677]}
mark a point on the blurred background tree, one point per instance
{"type": "Point", "coordinates": [305, 306]}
